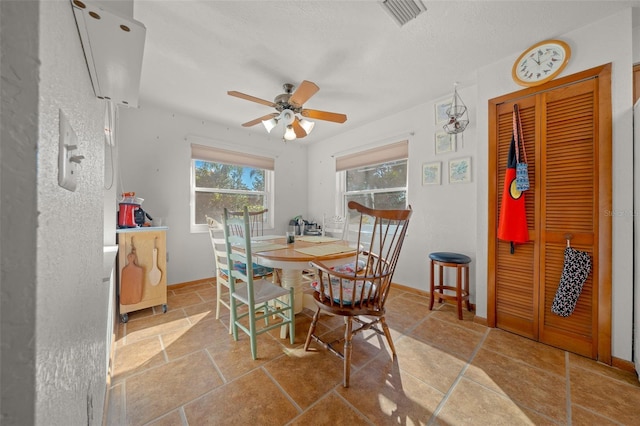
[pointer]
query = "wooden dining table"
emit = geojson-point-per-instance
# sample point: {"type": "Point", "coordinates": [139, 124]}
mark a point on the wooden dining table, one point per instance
{"type": "Point", "coordinates": [292, 259]}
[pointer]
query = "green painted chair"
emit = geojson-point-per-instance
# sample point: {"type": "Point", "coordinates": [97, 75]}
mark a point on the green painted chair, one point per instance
{"type": "Point", "coordinates": [259, 299]}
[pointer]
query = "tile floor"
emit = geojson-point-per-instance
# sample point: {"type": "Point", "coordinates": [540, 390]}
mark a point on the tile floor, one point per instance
{"type": "Point", "coordinates": [183, 368]}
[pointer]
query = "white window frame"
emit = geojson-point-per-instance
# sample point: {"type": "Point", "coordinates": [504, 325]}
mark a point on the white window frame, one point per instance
{"type": "Point", "coordinates": [215, 155]}
{"type": "Point", "coordinates": [370, 157]}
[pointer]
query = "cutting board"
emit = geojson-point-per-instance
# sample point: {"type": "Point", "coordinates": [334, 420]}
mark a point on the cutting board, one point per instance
{"type": "Point", "coordinates": [131, 282]}
{"type": "Point", "coordinates": [155, 274]}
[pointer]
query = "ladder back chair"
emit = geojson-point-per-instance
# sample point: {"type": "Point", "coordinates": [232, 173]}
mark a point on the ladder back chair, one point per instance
{"type": "Point", "coordinates": [261, 298]}
{"type": "Point", "coordinates": [256, 229]}
{"type": "Point", "coordinates": [222, 265]}
{"type": "Point", "coordinates": [363, 289]}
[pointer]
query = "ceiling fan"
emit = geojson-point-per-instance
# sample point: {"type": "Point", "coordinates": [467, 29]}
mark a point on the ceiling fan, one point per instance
{"type": "Point", "coordinates": [290, 107]}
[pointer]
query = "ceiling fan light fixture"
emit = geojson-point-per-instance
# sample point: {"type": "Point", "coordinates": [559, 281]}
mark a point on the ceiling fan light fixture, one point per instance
{"type": "Point", "coordinates": [289, 133]}
{"type": "Point", "coordinates": [287, 116]}
{"type": "Point", "coordinates": [270, 124]}
{"type": "Point", "coordinates": [307, 125]}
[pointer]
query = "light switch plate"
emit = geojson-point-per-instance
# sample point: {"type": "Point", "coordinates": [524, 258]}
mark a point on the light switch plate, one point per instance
{"type": "Point", "coordinates": [68, 142]}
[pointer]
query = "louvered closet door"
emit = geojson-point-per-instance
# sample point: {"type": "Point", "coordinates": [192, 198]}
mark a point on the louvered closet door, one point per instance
{"type": "Point", "coordinates": [567, 130]}
{"type": "Point", "coordinates": [516, 274]}
{"type": "Point", "coordinates": [569, 200]}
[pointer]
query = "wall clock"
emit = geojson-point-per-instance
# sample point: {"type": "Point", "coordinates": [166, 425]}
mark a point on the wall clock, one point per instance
{"type": "Point", "coordinates": [541, 62]}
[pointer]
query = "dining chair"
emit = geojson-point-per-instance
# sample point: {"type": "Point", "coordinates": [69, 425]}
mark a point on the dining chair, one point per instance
{"type": "Point", "coordinates": [261, 298]}
{"type": "Point", "coordinates": [256, 222]}
{"type": "Point", "coordinates": [354, 293]}
{"type": "Point", "coordinates": [222, 265]}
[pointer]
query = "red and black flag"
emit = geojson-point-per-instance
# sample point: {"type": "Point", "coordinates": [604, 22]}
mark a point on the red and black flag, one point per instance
{"type": "Point", "coordinates": [512, 225]}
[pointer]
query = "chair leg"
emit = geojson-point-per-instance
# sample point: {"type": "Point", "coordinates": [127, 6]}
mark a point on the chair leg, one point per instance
{"type": "Point", "coordinates": [252, 332]}
{"type": "Point", "coordinates": [431, 286]}
{"type": "Point", "coordinates": [292, 317]}
{"type": "Point", "coordinates": [218, 296]}
{"type": "Point", "coordinates": [234, 316]}
{"type": "Point", "coordinates": [347, 351]}
{"type": "Point", "coordinates": [312, 329]}
{"type": "Point", "coordinates": [459, 291]}
{"type": "Point", "coordinates": [466, 286]}
{"type": "Point", "coordinates": [387, 333]}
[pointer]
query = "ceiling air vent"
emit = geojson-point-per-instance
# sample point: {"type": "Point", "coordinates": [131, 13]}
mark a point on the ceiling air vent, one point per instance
{"type": "Point", "coordinates": [403, 11]}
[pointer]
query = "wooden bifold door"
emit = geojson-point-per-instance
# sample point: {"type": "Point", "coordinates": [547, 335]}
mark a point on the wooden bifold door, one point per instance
{"type": "Point", "coordinates": [567, 130]}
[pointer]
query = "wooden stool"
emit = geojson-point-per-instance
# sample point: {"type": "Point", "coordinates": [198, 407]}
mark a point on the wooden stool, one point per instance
{"type": "Point", "coordinates": [450, 260]}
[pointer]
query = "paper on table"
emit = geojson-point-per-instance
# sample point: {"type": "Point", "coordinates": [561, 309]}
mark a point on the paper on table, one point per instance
{"type": "Point", "coordinates": [258, 247]}
{"type": "Point", "coordinates": [325, 250]}
{"type": "Point", "coordinates": [314, 239]}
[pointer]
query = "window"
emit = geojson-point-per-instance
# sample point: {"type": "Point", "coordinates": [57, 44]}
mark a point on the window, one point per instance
{"type": "Point", "coordinates": [221, 178]}
{"type": "Point", "coordinates": [376, 178]}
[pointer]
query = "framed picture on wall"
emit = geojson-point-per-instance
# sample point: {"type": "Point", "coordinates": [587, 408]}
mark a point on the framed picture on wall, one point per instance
{"type": "Point", "coordinates": [431, 173]}
{"type": "Point", "coordinates": [460, 170]}
{"type": "Point", "coordinates": [441, 108]}
{"type": "Point", "coordinates": [444, 142]}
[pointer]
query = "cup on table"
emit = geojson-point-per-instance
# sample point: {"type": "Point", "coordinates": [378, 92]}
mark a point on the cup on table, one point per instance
{"type": "Point", "coordinates": [291, 237]}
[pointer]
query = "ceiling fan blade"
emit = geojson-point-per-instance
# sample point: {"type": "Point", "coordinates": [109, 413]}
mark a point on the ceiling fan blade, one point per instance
{"type": "Point", "coordinates": [324, 115]}
{"type": "Point", "coordinates": [300, 132]}
{"type": "Point", "coordinates": [259, 120]}
{"type": "Point", "coordinates": [302, 94]}
{"type": "Point", "coordinates": [250, 98]}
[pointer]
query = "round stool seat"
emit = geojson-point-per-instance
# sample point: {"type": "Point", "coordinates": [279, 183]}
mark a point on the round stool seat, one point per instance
{"type": "Point", "coordinates": [447, 257]}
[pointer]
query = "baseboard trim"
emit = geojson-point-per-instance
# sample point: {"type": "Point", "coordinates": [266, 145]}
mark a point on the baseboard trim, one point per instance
{"type": "Point", "coordinates": [623, 364]}
{"type": "Point", "coordinates": [190, 283]}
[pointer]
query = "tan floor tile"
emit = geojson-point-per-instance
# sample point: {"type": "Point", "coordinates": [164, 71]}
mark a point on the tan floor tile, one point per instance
{"type": "Point", "coordinates": [526, 350]}
{"type": "Point", "coordinates": [234, 358]}
{"type": "Point", "coordinates": [448, 336]}
{"type": "Point", "coordinates": [527, 386]}
{"type": "Point", "coordinates": [306, 375]}
{"type": "Point", "coordinates": [172, 419]}
{"type": "Point", "coordinates": [178, 343]}
{"type": "Point", "coordinates": [433, 366]}
{"type": "Point", "coordinates": [181, 300]}
{"type": "Point", "coordinates": [252, 399]}
{"type": "Point", "coordinates": [193, 287]}
{"type": "Point", "coordinates": [385, 394]}
{"type": "Point", "coordinates": [157, 324]}
{"type": "Point", "coordinates": [606, 370]}
{"type": "Point", "coordinates": [472, 404]}
{"type": "Point", "coordinates": [610, 398]}
{"type": "Point", "coordinates": [203, 311]}
{"type": "Point", "coordinates": [116, 415]}
{"type": "Point", "coordinates": [583, 416]}
{"type": "Point", "coordinates": [165, 388]}
{"type": "Point", "coordinates": [136, 357]}
{"type": "Point", "coordinates": [330, 410]}
{"type": "Point", "coordinates": [450, 314]}
{"type": "Point", "coordinates": [208, 294]}
{"type": "Point", "coordinates": [404, 313]}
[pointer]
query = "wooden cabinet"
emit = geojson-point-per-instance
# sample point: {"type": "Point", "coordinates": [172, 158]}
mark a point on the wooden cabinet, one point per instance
{"type": "Point", "coordinates": [150, 279]}
{"type": "Point", "coordinates": [567, 130]}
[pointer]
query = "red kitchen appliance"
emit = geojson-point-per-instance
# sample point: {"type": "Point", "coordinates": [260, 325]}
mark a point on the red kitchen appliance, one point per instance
{"type": "Point", "coordinates": [126, 215]}
{"type": "Point", "coordinates": [127, 210]}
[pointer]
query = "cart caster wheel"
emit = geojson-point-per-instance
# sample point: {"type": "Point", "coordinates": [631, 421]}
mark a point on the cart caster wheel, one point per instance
{"type": "Point", "coordinates": [124, 318]}
{"type": "Point", "coordinates": [164, 309]}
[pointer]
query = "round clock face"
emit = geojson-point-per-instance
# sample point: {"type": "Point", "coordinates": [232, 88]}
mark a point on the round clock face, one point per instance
{"type": "Point", "coordinates": [541, 62]}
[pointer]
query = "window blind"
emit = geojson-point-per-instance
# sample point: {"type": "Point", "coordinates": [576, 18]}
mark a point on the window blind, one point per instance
{"type": "Point", "coordinates": [378, 155]}
{"type": "Point", "coordinates": [218, 155]}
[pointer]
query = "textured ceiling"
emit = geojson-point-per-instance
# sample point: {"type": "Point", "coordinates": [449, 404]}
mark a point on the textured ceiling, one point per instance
{"type": "Point", "coordinates": [365, 64]}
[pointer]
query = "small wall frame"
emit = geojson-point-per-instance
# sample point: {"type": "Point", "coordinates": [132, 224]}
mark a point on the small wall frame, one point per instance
{"type": "Point", "coordinates": [444, 142]}
{"type": "Point", "coordinates": [431, 173]}
{"type": "Point", "coordinates": [460, 170]}
{"type": "Point", "coordinates": [441, 108]}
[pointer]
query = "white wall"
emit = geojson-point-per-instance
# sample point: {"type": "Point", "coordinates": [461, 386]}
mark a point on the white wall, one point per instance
{"type": "Point", "coordinates": [444, 216]}
{"type": "Point", "coordinates": [72, 299]}
{"type": "Point", "coordinates": [608, 40]}
{"type": "Point", "coordinates": [52, 289]}
{"type": "Point", "coordinates": [154, 160]}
